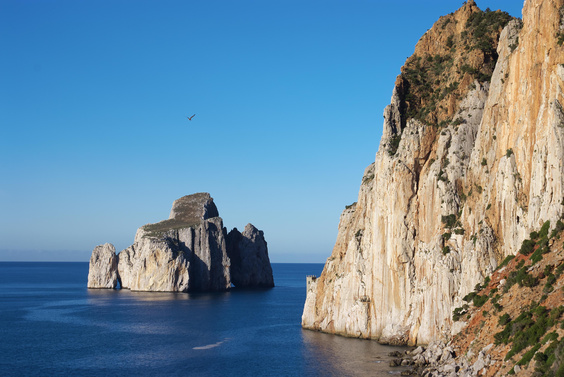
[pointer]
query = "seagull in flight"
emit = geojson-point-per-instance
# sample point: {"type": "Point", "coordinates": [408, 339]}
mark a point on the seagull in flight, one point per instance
{"type": "Point", "coordinates": [190, 118]}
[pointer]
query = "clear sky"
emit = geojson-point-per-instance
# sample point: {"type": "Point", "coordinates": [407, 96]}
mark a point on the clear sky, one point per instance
{"type": "Point", "coordinates": [288, 97]}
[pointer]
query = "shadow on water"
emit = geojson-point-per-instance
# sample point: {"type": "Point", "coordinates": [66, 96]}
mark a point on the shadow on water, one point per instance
{"type": "Point", "coordinates": [335, 355]}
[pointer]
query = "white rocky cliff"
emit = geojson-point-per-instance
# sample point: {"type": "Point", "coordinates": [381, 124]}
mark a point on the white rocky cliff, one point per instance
{"type": "Point", "coordinates": [470, 161]}
{"type": "Point", "coordinates": [187, 252]}
{"type": "Point", "coordinates": [103, 267]}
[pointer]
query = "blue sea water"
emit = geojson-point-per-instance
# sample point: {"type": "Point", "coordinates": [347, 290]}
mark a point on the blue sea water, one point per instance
{"type": "Point", "coordinates": [52, 325]}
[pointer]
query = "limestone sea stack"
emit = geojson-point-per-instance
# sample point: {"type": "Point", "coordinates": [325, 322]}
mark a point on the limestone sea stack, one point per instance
{"type": "Point", "coordinates": [250, 266]}
{"type": "Point", "coordinates": [185, 253]}
{"type": "Point", "coordinates": [103, 267]}
{"type": "Point", "coordinates": [470, 162]}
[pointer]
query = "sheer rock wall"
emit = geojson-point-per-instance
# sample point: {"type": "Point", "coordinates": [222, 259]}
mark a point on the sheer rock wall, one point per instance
{"type": "Point", "coordinates": [439, 213]}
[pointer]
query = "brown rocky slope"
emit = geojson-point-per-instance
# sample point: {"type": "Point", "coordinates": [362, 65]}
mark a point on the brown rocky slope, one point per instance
{"type": "Point", "coordinates": [514, 321]}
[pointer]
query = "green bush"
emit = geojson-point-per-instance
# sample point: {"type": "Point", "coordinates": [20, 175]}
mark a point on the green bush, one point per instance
{"type": "Point", "coordinates": [450, 41]}
{"type": "Point", "coordinates": [529, 281]}
{"type": "Point", "coordinates": [449, 220]}
{"type": "Point", "coordinates": [544, 230]}
{"type": "Point", "coordinates": [504, 320]}
{"type": "Point", "coordinates": [550, 337]}
{"type": "Point", "coordinates": [544, 360]}
{"type": "Point", "coordinates": [547, 288]}
{"type": "Point", "coordinates": [507, 259]}
{"type": "Point", "coordinates": [527, 247]}
{"type": "Point", "coordinates": [537, 256]}
{"type": "Point", "coordinates": [559, 270]}
{"type": "Point", "coordinates": [520, 277]}
{"type": "Point", "coordinates": [559, 228]}
{"type": "Point", "coordinates": [469, 297]}
{"type": "Point", "coordinates": [446, 250]}
{"type": "Point", "coordinates": [529, 355]}
{"type": "Point", "coordinates": [560, 38]}
{"type": "Point", "coordinates": [393, 144]}
{"type": "Point", "coordinates": [441, 176]}
{"type": "Point", "coordinates": [459, 312]}
{"type": "Point", "coordinates": [479, 301]}
{"type": "Point", "coordinates": [350, 205]}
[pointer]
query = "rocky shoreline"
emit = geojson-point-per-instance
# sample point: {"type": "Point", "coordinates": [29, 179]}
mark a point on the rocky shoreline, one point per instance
{"type": "Point", "coordinates": [438, 360]}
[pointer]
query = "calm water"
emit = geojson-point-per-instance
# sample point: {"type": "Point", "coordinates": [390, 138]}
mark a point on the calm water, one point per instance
{"type": "Point", "coordinates": [51, 325]}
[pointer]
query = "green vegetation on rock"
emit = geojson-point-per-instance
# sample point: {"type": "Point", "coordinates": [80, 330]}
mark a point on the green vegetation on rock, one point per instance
{"type": "Point", "coordinates": [430, 82]}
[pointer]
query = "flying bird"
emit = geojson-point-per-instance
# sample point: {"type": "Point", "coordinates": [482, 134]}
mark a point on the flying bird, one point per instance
{"type": "Point", "coordinates": [190, 118]}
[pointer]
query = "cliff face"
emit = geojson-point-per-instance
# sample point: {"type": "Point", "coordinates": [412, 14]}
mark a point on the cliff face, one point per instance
{"type": "Point", "coordinates": [250, 266]}
{"type": "Point", "coordinates": [469, 163]}
{"type": "Point", "coordinates": [103, 267]}
{"type": "Point", "coordinates": [187, 252]}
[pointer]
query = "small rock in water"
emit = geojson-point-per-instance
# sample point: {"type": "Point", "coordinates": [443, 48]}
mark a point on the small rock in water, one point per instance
{"type": "Point", "coordinates": [395, 354]}
{"type": "Point", "coordinates": [409, 372]}
{"type": "Point", "coordinates": [395, 362]}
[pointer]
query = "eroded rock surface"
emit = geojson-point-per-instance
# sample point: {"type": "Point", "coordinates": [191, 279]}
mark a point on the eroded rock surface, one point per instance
{"type": "Point", "coordinates": [250, 264]}
{"type": "Point", "coordinates": [466, 168]}
{"type": "Point", "coordinates": [103, 270]}
{"type": "Point", "coordinates": [188, 252]}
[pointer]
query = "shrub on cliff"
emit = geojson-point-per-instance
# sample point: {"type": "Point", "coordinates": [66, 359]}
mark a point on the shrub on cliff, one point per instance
{"type": "Point", "coordinates": [527, 247]}
{"type": "Point", "coordinates": [449, 220]}
{"type": "Point", "coordinates": [393, 144]}
{"type": "Point", "coordinates": [484, 26]}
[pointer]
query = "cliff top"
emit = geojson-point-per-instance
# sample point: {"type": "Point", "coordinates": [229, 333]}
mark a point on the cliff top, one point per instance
{"type": "Point", "coordinates": [194, 207]}
{"type": "Point", "coordinates": [186, 212]}
{"type": "Point", "coordinates": [459, 49]}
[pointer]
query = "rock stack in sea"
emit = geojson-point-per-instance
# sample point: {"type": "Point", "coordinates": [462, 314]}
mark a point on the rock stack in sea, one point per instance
{"type": "Point", "coordinates": [103, 267]}
{"type": "Point", "coordinates": [248, 252]}
{"type": "Point", "coordinates": [470, 162]}
{"type": "Point", "coordinates": [187, 252]}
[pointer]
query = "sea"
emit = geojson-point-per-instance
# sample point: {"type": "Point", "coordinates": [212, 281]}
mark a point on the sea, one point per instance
{"type": "Point", "coordinates": [52, 325]}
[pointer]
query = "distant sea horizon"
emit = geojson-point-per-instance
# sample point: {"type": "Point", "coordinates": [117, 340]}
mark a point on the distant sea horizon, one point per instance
{"type": "Point", "coordinates": [74, 256]}
{"type": "Point", "coordinates": [51, 324]}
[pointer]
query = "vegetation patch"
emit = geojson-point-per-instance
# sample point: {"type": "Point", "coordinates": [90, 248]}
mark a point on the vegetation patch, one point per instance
{"type": "Point", "coordinates": [459, 312]}
{"type": "Point", "coordinates": [159, 229]}
{"type": "Point", "coordinates": [506, 261]}
{"type": "Point", "coordinates": [350, 206]}
{"type": "Point", "coordinates": [528, 330]}
{"type": "Point", "coordinates": [393, 144]}
{"type": "Point", "coordinates": [430, 82]}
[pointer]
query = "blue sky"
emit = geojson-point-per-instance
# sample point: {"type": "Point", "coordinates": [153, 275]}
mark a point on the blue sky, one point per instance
{"type": "Point", "coordinates": [288, 97]}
